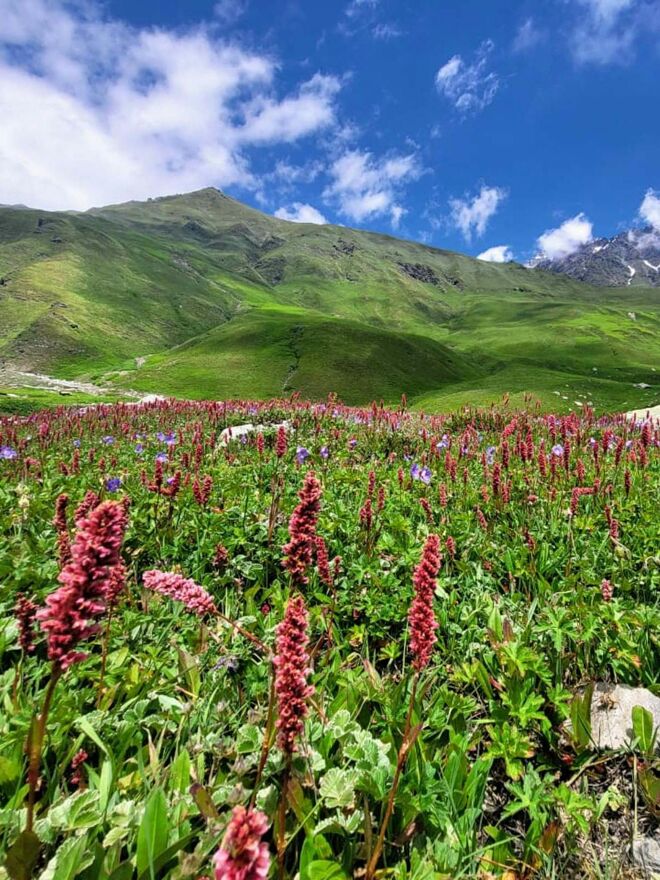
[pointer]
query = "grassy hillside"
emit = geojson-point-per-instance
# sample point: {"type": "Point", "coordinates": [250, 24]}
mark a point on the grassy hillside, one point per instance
{"type": "Point", "coordinates": [224, 300]}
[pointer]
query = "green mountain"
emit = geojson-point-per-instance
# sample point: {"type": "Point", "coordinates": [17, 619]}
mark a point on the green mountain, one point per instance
{"type": "Point", "coordinates": [199, 295]}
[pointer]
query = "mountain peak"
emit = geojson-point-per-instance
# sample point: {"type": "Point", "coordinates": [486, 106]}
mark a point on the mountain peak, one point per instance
{"type": "Point", "coordinates": [628, 259]}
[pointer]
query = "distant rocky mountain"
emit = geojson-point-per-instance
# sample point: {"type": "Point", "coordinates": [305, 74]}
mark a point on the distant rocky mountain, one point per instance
{"type": "Point", "coordinates": [631, 258]}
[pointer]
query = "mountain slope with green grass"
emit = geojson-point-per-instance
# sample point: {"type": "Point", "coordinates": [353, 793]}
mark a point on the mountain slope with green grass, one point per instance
{"type": "Point", "coordinates": [201, 296]}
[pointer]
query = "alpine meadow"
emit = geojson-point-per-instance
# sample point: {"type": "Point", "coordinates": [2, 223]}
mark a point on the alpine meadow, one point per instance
{"type": "Point", "coordinates": [329, 440]}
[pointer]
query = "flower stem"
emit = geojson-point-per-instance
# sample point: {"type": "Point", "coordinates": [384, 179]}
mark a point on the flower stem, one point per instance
{"type": "Point", "coordinates": [400, 762]}
{"type": "Point", "coordinates": [35, 745]}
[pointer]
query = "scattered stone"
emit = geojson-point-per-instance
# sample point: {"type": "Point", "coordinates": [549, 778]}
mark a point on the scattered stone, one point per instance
{"type": "Point", "coordinates": [646, 855]}
{"type": "Point", "coordinates": [611, 713]}
{"type": "Point", "coordinates": [344, 247]}
{"type": "Point", "coordinates": [235, 432]}
{"type": "Point", "coordinates": [419, 272]}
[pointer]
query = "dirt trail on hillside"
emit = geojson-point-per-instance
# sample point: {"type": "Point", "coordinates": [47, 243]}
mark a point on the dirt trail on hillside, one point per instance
{"type": "Point", "coordinates": [20, 379]}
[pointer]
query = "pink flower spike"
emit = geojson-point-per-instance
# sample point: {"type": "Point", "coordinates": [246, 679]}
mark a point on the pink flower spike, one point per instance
{"type": "Point", "coordinates": [421, 618]}
{"type": "Point", "coordinates": [291, 672]}
{"type": "Point", "coordinates": [71, 612]}
{"type": "Point", "coordinates": [176, 586]}
{"type": "Point", "coordinates": [243, 855]}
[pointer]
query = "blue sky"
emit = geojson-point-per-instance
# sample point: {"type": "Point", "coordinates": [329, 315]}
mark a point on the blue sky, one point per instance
{"type": "Point", "coordinates": [486, 126]}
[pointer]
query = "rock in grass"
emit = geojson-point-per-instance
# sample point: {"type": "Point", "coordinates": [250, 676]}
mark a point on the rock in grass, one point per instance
{"type": "Point", "coordinates": [611, 713]}
{"type": "Point", "coordinates": [646, 855]}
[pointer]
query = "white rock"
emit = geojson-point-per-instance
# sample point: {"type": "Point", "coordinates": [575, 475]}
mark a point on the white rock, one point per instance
{"type": "Point", "coordinates": [235, 432]}
{"type": "Point", "coordinates": [646, 854]}
{"type": "Point", "coordinates": [611, 713]}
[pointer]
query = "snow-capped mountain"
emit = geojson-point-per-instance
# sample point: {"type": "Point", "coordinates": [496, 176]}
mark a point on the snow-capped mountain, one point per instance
{"type": "Point", "coordinates": [629, 258]}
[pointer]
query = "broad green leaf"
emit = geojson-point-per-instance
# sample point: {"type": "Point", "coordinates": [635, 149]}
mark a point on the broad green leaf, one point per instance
{"type": "Point", "coordinates": [153, 833]}
{"type": "Point", "coordinates": [642, 722]}
{"type": "Point", "coordinates": [338, 787]}
{"type": "Point", "coordinates": [326, 870]}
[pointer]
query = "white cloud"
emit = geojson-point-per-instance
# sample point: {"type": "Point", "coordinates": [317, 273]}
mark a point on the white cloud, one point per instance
{"type": "Point", "coordinates": [356, 7]}
{"type": "Point", "coordinates": [557, 243]}
{"type": "Point", "coordinates": [229, 11]}
{"type": "Point", "coordinates": [606, 30]}
{"type": "Point", "coordinates": [472, 215]}
{"type": "Point", "coordinates": [386, 31]}
{"type": "Point", "coordinates": [300, 213]}
{"type": "Point", "coordinates": [649, 210]}
{"type": "Point", "coordinates": [470, 87]}
{"type": "Point", "coordinates": [95, 111]}
{"type": "Point", "coordinates": [527, 36]}
{"type": "Point", "coordinates": [501, 253]}
{"type": "Point", "coordinates": [364, 187]}
{"type": "Point", "coordinates": [396, 213]}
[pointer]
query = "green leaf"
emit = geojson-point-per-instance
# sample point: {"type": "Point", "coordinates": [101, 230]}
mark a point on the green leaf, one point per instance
{"type": "Point", "coordinates": [9, 770]}
{"type": "Point", "coordinates": [22, 856]}
{"type": "Point", "coordinates": [325, 870]}
{"type": "Point", "coordinates": [180, 772]}
{"type": "Point", "coordinates": [642, 723]}
{"type": "Point", "coordinates": [105, 785]}
{"type": "Point", "coordinates": [581, 719]}
{"type": "Point", "coordinates": [338, 787]}
{"type": "Point", "coordinates": [84, 725]}
{"type": "Point", "coordinates": [204, 801]}
{"type": "Point", "coordinates": [166, 856]}
{"type": "Point", "coordinates": [73, 856]}
{"type": "Point", "coordinates": [153, 833]}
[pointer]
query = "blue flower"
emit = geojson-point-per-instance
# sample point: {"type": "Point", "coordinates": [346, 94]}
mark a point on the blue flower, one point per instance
{"type": "Point", "coordinates": [558, 450]}
{"type": "Point", "coordinates": [352, 443]}
{"type": "Point", "coordinates": [7, 452]}
{"type": "Point", "coordinates": [414, 471]}
{"type": "Point", "coordinates": [161, 457]}
{"type": "Point", "coordinates": [442, 444]}
{"type": "Point", "coordinates": [113, 484]}
{"type": "Point", "coordinates": [325, 452]}
{"type": "Point", "coordinates": [490, 454]}
{"type": "Point", "coordinates": [108, 440]}
{"type": "Point", "coordinates": [139, 448]}
{"type": "Point", "coordinates": [425, 475]}
{"type": "Point", "coordinates": [301, 454]}
{"type": "Point", "coordinates": [76, 443]}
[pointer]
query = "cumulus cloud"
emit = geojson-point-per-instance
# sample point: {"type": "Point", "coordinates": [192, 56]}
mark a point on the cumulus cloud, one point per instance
{"type": "Point", "coordinates": [471, 215]}
{"type": "Point", "coordinates": [566, 239]}
{"type": "Point", "coordinates": [605, 30]}
{"type": "Point", "coordinates": [363, 186]}
{"type": "Point", "coordinates": [501, 253]}
{"type": "Point", "coordinates": [469, 86]}
{"type": "Point", "coordinates": [649, 210]}
{"type": "Point", "coordinates": [95, 111]}
{"type": "Point", "coordinates": [299, 212]}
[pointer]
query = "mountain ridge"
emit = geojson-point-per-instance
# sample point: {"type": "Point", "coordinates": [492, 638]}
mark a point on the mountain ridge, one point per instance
{"type": "Point", "coordinates": [113, 293]}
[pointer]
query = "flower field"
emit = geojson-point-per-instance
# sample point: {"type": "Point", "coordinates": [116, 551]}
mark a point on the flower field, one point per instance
{"type": "Point", "coordinates": [339, 643]}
